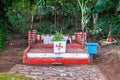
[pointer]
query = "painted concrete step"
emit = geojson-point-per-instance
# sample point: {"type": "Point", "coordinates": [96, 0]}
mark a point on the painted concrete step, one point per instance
{"type": "Point", "coordinates": [37, 61]}
{"type": "Point", "coordinates": [53, 58]}
{"type": "Point", "coordinates": [51, 46]}
{"type": "Point", "coordinates": [58, 55]}
{"type": "Point", "coordinates": [50, 50]}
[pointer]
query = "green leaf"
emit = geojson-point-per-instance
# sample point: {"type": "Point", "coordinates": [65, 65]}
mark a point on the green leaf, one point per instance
{"type": "Point", "coordinates": [19, 15]}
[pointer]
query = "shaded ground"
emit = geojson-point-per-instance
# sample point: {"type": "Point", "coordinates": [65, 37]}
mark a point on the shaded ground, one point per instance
{"type": "Point", "coordinates": [107, 56]}
{"type": "Point", "coordinates": [12, 54]}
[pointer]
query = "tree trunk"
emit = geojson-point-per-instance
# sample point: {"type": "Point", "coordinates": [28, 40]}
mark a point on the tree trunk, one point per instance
{"type": "Point", "coordinates": [95, 19]}
{"type": "Point", "coordinates": [118, 7]}
{"type": "Point", "coordinates": [83, 26]}
{"type": "Point", "coordinates": [109, 33]}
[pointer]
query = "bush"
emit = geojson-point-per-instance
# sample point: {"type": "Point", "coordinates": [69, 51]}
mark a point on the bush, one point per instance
{"type": "Point", "coordinates": [3, 33]}
{"type": "Point", "coordinates": [19, 16]}
{"type": "Point", "coordinates": [104, 22]}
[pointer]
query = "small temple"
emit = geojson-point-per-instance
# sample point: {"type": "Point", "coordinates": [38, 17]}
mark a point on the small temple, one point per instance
{"type": "Point", "coordinates": [42, 50]}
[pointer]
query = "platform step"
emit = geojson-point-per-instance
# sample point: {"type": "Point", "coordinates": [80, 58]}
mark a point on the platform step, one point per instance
{"type": "Point", "coordinates": [58, 55]}
{"type": "Point", "coordinates": [52, 58]}
{"type": "Point", "coordinates": [51, 46]}
{"type": "Point", "coordinates": [50, 50]}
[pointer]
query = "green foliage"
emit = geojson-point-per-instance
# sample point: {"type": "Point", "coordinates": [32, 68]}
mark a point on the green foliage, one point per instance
{"type": "Point", "coordinates": [19, 25]}
{"type": "Point", "coordinates": [103, 5]}
{"type": "Point", "coordinates": [7, 76]}
{"type": "Point", "coordinates": [3, 26]}
{"type": "Point", "coordinates": [57, 37]}
{"type": "Point", "coordinates": [45, 11]}
{"type": "Point", "coordinates": [105, 21]}
{"type": "Point", "coordinates": [44, 27]}
{"type": "Point", "coordinates": [118, 41]}
{"type": "Point", "coordinates": [69, 28]}
{"type": "Point", "coordinates": [19, 17]}
{"type": "Point", "coordinates": [68, 15]}
{"type": "Point", "coordinates": [85, 12]}
{"type": "Point", "coordinates": [3, 36]}
{"type": "Point", "coordinates": [66, 12]}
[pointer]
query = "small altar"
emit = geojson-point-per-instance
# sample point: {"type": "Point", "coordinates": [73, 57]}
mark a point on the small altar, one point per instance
{"type": "Point", "coordinates": [40, 50]}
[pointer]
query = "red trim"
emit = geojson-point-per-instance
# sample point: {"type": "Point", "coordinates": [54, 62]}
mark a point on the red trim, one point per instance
{"type": "Point", "coordinates": [56, 60]}
{"type": "Point", "coordinates": [25, 54]}
{"type": "Point", "coordinates": [51, 46]}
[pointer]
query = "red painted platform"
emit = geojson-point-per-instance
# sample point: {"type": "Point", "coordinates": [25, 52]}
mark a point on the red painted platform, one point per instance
{"type": "Point", "coordinates": [40, 50]}
{"type": "Point", "coordinates": [55, 61]}
{"type": "Point", "coordinates": [40, 53]}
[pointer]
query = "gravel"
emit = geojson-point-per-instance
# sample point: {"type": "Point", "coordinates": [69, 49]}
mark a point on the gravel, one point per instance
{"type": "Point", "coordinates": [61, 72]}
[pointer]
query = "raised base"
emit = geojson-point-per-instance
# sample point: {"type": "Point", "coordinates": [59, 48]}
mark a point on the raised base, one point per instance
{"type": "Point", "coordinates": [56, 61]}
{"type": "Point", "coordinates": [52, 58]}
{"type": "Point", "coordinates": [43, 54]}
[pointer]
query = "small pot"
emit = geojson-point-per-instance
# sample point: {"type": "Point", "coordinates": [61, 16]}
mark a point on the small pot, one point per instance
{"type": "Point", "coordinates": [110, 39]}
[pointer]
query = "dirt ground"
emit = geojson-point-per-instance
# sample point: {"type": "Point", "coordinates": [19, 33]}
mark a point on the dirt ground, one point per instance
{"type": "Point", "coordinates": [107, 59]}
{"type": "Point", "coordinates": [109, 62]}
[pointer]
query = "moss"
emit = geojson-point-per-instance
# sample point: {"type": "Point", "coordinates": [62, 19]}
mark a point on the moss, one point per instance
{"type": "Point", "coordinates": [7, 76]}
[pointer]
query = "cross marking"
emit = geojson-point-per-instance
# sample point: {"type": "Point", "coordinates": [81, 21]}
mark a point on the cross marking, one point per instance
{"type": "Point", "coordinates": [59, 46]}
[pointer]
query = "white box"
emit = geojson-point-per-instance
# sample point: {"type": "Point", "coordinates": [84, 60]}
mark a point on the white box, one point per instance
{"type": "Point", "coordinates": [59, 46]}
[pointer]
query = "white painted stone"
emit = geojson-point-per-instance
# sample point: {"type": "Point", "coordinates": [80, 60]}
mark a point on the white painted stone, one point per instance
{"type": "Point", "coordinates": [47, 39]}
{"type": "Point", "coordinates": [73, 37]}
{"type": "Point", "coordinates": [38, 37]}
{"type": "Point", "coordinates": [65, 38]}
{"type": "Point", "coordinates": [62, 55]}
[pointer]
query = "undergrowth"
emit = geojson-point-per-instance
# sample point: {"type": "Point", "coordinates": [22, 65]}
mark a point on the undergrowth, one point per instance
{"type": "Point", "coordinates": [7, 76]}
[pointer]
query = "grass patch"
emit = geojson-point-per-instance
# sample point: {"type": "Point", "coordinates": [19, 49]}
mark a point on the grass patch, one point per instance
{"type": "Point", "coordinates": [7, 76]}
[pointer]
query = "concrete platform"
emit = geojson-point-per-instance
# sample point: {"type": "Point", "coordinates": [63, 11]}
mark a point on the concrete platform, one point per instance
{"type": "Point", "coordinates": [40, 53]}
